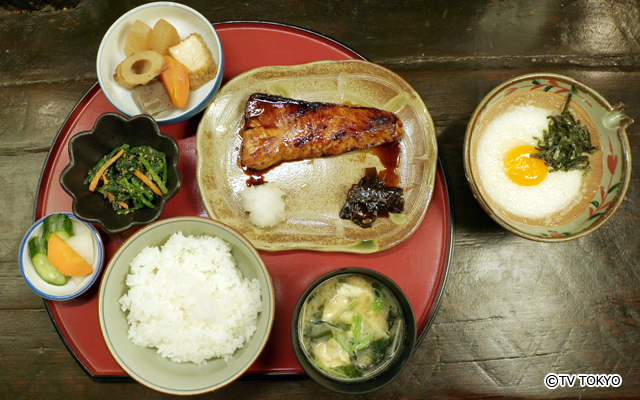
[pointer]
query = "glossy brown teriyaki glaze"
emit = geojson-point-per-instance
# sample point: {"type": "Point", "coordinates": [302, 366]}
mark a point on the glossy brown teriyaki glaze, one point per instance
{"type": "Point", "coordinates": [278, 129]}
{"type": "Point", "coordinates": [389, 155]}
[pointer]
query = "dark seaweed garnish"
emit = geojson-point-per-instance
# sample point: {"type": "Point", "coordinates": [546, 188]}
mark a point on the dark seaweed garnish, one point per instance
{"type": "Point", "coordinates": [379, 349]}
{"type": "Point", "coordinates": [367, 199]}
{"type": "Point", "coordinates": [565, 145]}
{"type": "Point", "coordinates": [351, 371]}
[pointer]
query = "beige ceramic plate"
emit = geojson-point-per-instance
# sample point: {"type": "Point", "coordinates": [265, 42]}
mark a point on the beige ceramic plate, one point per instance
{"type": "Point", "coordinates": [316, 189]}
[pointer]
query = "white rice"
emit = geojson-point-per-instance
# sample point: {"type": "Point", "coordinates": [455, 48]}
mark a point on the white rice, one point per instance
{"type": "Point", "coordinates": [189, 300]}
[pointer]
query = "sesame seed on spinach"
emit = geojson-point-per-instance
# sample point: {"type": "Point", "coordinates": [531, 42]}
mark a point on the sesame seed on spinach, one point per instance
{"type": "Point", "coordinates": [134, 180]}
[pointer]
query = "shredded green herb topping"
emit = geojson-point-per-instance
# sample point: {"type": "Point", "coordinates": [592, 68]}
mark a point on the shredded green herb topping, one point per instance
{"type": "Point", "coordinates": [565, 145]}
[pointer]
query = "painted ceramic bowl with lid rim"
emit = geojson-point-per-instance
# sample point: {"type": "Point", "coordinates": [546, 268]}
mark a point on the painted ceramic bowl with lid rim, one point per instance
{"type": "Point", "coordinates": [606, 182]}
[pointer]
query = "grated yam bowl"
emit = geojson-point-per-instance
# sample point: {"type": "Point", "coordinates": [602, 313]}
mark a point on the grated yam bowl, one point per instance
{"type": "Point", "coordinates": [603, 188]}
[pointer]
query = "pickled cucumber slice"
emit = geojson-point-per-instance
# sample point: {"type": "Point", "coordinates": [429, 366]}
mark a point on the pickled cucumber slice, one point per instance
{"type": "Point", "coordinates": [59, 224]}
{"type": "Point", "coordinates": [44, 269]}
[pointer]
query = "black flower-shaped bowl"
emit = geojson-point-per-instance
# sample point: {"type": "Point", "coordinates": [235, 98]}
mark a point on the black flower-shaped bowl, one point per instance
{"type": "Point", "coordinates": [87, 148]}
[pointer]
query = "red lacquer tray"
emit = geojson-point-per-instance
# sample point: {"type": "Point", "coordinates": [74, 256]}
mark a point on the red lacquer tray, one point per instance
{"type": "Point", "coordinates": [418, 265]}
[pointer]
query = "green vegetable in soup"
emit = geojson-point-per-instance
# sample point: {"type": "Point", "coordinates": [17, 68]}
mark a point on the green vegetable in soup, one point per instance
{"type": "Point", "coordinates": [380, 301]}
{"type": "Point", "coordinates": [379, 349]}
{"type": "Point", "coordinates": [357, 341]}
{"type": "Point", "coordinates": [350, 327]}
{"type": "Point", "coordinates": [351, 371]}
{"type": "Point", "coordinates": [329, 370]}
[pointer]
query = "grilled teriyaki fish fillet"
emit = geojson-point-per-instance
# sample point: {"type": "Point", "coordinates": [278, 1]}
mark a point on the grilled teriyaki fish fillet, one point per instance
{"type": "Point", "coordinates": [282, 129]}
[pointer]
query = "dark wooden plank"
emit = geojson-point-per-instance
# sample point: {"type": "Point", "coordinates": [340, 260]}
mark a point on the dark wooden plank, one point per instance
{"type": "Point", "coordinates": [38, 5]}
{"type": "Point", "coordinates": [36, 111]}
{"type": "Point", "coordinates": [514, 33]}
{"type": "Point", "coordinates": [16, 295]}
{"type": "Point", "coordinates": [19, 177]}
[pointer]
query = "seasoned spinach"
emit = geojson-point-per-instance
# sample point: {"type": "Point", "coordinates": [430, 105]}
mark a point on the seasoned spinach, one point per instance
{"type": "Point", "coordinates": [132, 179]}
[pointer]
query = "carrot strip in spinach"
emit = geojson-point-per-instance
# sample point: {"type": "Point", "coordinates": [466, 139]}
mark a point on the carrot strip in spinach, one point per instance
{"type": "Point", "coordinates": [96, 179]}
{"type": "Point", "coordinates": [100, 163]}
{"type": "Point", "coordinates": [147, 182]}
{"type": "Point", "coordinates": [155, 176]}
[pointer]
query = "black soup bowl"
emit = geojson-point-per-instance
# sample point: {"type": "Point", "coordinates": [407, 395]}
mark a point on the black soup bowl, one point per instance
{"type": "Point", "coordinates": [353, 330]}
{"type": "Point", "coordinates": [110, 131]}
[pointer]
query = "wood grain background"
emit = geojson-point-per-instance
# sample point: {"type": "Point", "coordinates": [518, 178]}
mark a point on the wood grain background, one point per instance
{"type": "Point", "coordinates": [513, 311]}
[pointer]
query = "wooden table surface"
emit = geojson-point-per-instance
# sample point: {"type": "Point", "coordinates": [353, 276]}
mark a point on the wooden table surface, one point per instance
{"type": "Point", "coordinates": [514, 310]}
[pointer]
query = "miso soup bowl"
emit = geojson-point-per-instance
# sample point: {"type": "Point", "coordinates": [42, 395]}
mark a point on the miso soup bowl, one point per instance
{"type": "Point", "coordinates": [604, 187]}
{"type": "Point", "coordinates": [390, 371]}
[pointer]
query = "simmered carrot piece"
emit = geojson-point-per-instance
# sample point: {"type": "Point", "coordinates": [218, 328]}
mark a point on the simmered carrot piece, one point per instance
{"type": "Point", "coordinates": [65, 259]}
{"type": "Point", "coordinates": [176, 79]}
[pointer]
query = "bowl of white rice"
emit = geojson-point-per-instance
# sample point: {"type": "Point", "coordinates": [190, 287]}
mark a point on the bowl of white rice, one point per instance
{"type": "Point", "coordinates": [186, 305]}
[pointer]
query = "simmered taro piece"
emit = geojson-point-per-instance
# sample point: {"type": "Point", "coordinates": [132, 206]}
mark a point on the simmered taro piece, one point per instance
{"type": "Point", "coordinates": [370, 197]}
{"type": "Point", "coordinates": [351, 327]}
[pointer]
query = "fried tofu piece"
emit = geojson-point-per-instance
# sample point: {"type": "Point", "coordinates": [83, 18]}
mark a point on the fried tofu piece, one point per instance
{"type": "Point", "coordinates": [194, 54]}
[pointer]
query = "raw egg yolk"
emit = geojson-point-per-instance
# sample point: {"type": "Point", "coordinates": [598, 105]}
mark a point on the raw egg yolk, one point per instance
{"type": "Point", "coordinates": [523, 169]}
